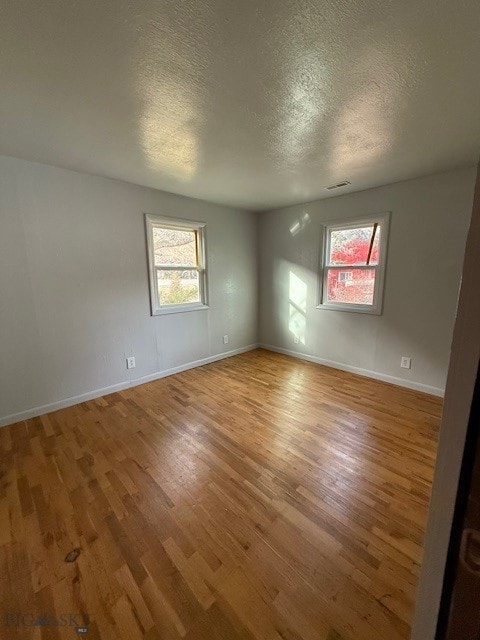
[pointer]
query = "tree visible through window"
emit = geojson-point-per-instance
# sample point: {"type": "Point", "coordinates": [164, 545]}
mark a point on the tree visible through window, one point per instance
{"type": "Point", "coordinates": [177, 256]}
{"type": "Point", "coordinates": [354, 265]}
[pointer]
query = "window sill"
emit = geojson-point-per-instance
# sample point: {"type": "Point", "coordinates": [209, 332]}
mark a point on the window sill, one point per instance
{"type": "Point", "coordinates": [179, 308]}
{"type": "Point", "coordinates": [352, 308]}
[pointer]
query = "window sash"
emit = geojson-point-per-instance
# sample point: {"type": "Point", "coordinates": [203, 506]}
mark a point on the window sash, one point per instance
{"type": "Point", "coordinates": [178, 267]}
{"type": "Point", "coordinates": [353, 225]}
{"type": "Point", "coordinates": [199, 239]}
{"type": "Point", "coordinates": [350, 267]}
{"type": "Point", "coordinates": [349, 305]}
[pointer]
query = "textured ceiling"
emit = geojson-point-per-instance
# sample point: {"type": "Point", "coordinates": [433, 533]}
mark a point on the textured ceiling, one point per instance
{"type": "Point", "coordinates": [255, 103]}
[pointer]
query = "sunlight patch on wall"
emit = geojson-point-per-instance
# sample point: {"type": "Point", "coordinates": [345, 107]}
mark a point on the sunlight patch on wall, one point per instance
{"type": "Point", "coordinates": [297, 294]}
{"type": "Point", "coordinates": [300, 224]}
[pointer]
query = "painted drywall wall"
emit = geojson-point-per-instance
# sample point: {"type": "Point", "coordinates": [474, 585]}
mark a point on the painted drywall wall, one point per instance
{"type": "Point", "coordinates": [74, 297]}
{"type": "Point", "coordinates": [428, 227]}
{"type": "Point", "coordinates": [461, 380]}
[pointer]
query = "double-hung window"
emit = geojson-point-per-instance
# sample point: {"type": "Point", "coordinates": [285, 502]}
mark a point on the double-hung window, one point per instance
{"type": "Point", "coordinates": [177, 264]}
{"type": "Point", "coordinates": [354, 259]}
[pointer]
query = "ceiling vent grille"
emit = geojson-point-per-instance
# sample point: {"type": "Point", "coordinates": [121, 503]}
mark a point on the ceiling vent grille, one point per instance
{"type": "Point", "coordinates": [344, 183]}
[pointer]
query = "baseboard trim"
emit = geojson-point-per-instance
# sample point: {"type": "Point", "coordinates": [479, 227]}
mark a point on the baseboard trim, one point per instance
{"type": "Point", "coordinates": [400, 382]}
{"type": "Point", "coordinates": [97, 393]}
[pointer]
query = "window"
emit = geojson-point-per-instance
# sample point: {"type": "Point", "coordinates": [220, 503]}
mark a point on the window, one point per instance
{"type": "Point", "coordinates": [176, 255]}
{"type": "Point", "coordinates": [354, 264]}
{"type": "Point", "coordinates": [345, 276]}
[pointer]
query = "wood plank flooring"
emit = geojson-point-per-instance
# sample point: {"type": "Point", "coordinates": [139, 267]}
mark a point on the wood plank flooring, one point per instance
{"type": "Point", "coordinates": [260, 497]}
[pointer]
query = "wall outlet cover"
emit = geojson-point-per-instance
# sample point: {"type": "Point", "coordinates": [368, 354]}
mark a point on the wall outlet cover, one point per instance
{"type": "Point", "coordinates": [406, 363]}
{"type": "Point", "coordinates": [131, 363]}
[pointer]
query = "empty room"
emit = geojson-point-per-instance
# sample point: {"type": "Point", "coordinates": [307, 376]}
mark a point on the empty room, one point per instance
{"type": "Point", "coordinates": [239, 320]}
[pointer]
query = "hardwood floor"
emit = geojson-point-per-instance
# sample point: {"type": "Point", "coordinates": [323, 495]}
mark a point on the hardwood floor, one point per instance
{"type": "Point", "coordinates": [260, 497]}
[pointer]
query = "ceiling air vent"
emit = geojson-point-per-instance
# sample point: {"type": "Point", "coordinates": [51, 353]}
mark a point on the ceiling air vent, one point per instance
{"type": "Point", "coordinates": [344, 183]}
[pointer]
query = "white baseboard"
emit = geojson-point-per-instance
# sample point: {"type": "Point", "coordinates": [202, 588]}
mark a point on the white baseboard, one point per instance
{"type": "Point", "coordinates": [97, 393]}
{"type": "Point", "coordinates": [401, 382]}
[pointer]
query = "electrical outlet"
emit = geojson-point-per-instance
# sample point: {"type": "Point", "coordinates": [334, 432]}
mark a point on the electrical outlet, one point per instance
{"type": "Point", "coordinates": [131, 363]}
{"type": "Point", "coordinates": [225, 339]}
{"type": "Point", "coordinates": [406, 363]}
{"type": "Point", "coordinates": [296, 340]}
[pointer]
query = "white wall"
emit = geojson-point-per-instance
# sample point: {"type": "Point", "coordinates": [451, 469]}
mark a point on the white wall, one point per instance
{"type": "Point", "coordinates": [428, 229]}
{"type": "Point", "coordinates": [74, 298]}
{"type": "Point", "coordinates": [461, 380]}
{"type": "Point", "coordinates": [74, 287]}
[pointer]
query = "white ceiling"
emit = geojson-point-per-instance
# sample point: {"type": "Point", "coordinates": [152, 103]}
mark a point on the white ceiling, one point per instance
{"type": "Point", "coordinates": [255, 103]}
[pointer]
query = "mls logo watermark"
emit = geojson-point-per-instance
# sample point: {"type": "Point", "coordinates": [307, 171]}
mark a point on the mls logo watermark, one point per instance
{"type": "Point", "coordinates": [77, 621]}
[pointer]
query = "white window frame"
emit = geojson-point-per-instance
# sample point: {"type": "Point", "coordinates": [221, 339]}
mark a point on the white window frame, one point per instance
{"type": "Point", "coordinates": [152, 221]}
{"type": "Point", "coordinates": [383, 221]}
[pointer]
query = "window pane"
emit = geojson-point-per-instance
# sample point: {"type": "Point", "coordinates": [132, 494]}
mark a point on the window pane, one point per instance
{"type": "Point", "coordinates": [172, 246]}
{"type": "Point", "coordinates": [178, 287]}
{"type": "Point", "coordinates": [353, 287]}
{"type": "Point", "coordinates": [350, 246]}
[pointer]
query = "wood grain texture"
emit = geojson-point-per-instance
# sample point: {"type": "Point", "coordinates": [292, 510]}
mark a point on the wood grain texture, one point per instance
{"type": "Point", "coordinates": [259, 497]}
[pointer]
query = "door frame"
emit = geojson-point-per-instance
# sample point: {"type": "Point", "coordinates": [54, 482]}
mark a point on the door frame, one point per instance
{"type": "Point", "coordinates": [470, 459]}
